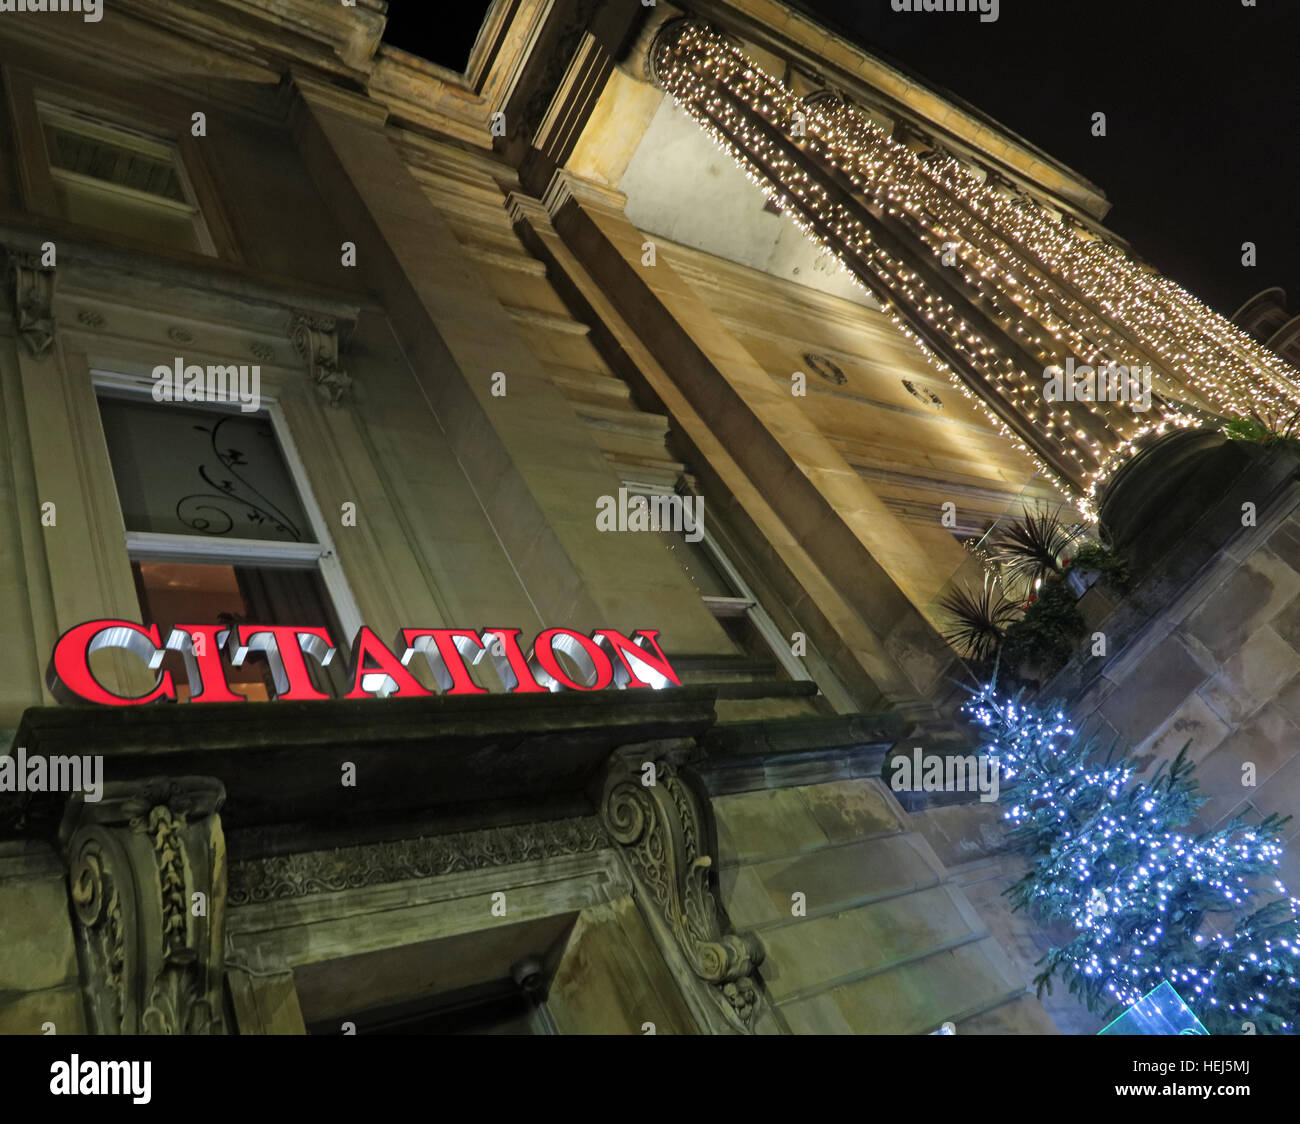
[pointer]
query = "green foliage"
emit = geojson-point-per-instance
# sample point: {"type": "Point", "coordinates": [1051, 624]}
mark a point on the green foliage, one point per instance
{"type": "Point", "coordinates": [1031, 548]}
{"type": "Point", "coordinates": [981, 618]}
{"type": "Point", "coordinates": [1138, 898]}
{"type": "Point", "coordinates": [1265, 429]}
{"type": "Point", "coordinates": [1044, 631]}
{"type": "Point", "coordinates": [1049, 632]}
{"type": "Point", "coordinates": [1107, 562]}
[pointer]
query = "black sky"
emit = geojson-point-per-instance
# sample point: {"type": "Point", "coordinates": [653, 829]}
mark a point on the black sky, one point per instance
{"type": "Point", "coordinates": [1201, 97]}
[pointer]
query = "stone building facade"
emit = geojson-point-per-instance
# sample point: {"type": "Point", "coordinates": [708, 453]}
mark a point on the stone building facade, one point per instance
{"type": "Point", "coordinates": [479, 305]}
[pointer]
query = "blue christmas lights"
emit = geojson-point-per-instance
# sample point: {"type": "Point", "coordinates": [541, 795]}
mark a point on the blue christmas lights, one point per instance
{"type": "Point", "coordinates": [1114, 859]}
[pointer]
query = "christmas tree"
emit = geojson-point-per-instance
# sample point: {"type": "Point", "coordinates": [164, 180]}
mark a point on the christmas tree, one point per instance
{"type": "Point", "coordinates": [1148, 900]}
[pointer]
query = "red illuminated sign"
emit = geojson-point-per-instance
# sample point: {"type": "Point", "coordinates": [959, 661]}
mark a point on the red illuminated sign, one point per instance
{"type": "Point", "coordinates": [604, 659]}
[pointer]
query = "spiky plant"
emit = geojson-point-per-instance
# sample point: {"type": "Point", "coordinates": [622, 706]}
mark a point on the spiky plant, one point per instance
{"type": "Point", "coordinates": [980, 617]}
{"type": "Point", "coordinates": [1265, 429]}
{"type": "Point", "coordinates": [1031, 548]}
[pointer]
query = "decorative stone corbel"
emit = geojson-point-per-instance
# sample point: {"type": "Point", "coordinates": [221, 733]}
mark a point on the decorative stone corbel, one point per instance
{"type": "Point", "coordinates": [316, 338]}
{"type": "Point", "coordinates": [147, 875]}
{"type": "Point", "coordinates": [31, 292]}
{"type": "Point", "coordinates": [663, 831]}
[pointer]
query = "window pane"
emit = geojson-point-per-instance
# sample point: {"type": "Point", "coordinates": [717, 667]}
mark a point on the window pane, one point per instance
{"type": "Point", "coordinates": [172, 593]}
{"type": "Point", "coordinates": [697, 560]}
{"type": "Point", "coordinates": [133, 217]}
{"type": "Point", "coordinates": [118, 164]}
{"type": "Point", "coordinates": [181, 471]}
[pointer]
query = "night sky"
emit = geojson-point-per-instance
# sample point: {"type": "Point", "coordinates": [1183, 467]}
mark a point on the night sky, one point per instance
{"type": "Point", "coordinates": [1201, 98]}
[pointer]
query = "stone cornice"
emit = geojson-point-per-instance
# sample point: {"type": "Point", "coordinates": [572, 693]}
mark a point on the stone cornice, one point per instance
{"type": "Point", "coordinates": [88, 267]}
{"type": "Point", "coordinates": [566, 186]}
{"type": "Point", "coordinates": [337, 98]}
{"type": "Point", "coordinates": [475, 756]}
{"type": "Point", "coordinates": [330, 37]}
{"type": "Point", "coordinates": [277, 877]}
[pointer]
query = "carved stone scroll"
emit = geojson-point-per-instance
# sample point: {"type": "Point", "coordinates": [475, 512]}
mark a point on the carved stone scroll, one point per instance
{"type": "Point", "coordinates": [31, 293]}
{"type": "Point", "coordinates": [316, 339]}
{"type": "Point", "coordinates": [147, 874]}
{"type": "Point", "coordinates": [663, 831]}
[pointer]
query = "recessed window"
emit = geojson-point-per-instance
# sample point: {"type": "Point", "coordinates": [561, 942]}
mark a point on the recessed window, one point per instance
{"type": "Point", "coordinates": [121, 181]}
{"type": "Point", "coordinates": [218, 532]}
{"type": "Point", "coordinates": [724, 591]}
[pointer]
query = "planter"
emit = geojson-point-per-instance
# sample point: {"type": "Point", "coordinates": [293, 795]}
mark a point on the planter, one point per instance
{"type": "Point", "coordinates": [1098, 604]}
{"type": "Point", "coordinates": [1150, 503]}
{"type": "Point", "coordinates": [1080, 581]}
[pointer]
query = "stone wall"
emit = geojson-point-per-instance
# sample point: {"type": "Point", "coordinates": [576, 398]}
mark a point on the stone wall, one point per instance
{"type": "Point", "coordinates": [39, 984]}
{"type": "Point", "coordinates": [1217, 668]}
{"type": "Point", "coordinates": [973, 844]}
{"type": "Point", "coordinates": [889, 944]}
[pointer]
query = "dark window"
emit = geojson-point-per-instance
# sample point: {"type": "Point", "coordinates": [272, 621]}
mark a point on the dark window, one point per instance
{"type": "Point", "coordinates": [174, 593]}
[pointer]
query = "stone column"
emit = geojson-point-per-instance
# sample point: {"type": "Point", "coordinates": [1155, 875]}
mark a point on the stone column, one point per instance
{"type": "Point", "coordinates": [529, 458]}
{"type": "Point", "coordinates": [147, 874]}
{"type": "Point", "coordinates": [866, 554]}
{"type": "Point", "coordinates": [67, 517]}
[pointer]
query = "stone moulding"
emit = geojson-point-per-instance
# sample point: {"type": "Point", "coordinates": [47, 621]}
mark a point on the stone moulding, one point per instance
{"type": "Point", "coordinates": [373, 864]}
{"type": "Point", "coordinates": [147, 879]}
{"type": "Point", "coordinates": [663, 832]}
{"type": "Point", "coordinates": [31, 293]}
{"type": "Point", "coordinates": [317, 341]}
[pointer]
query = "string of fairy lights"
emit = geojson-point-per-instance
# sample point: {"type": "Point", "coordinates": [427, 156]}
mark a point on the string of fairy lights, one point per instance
{"type": "Point", "coordinates": [1098, 816]}
{"type": "Point", "coordinates": [1053, 290]}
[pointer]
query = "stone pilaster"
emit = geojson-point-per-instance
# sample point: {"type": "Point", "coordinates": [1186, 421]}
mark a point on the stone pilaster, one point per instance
{"type": "Point", "coordinates": [31, 296]}
{"type": "Point", "coordinates": [486, 389]}
{"type": "Point", "coordinates": [868, 560]}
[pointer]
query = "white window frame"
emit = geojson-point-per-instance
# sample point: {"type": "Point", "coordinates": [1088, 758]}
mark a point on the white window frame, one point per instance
{"type": "Point", "coordinates": [149, 547]}
{"type": "Point", "coordinates": [747, 604]}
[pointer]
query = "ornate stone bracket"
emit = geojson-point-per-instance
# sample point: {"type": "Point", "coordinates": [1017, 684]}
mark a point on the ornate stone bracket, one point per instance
{"type": "Point", "coordinates": [147, 875]}
{"type": "Point", "coordinates": [663, 831]}
{"type": "Point", "coordinates": [316, 339]}
{"type": "Point", "coordinates": [31, 290]}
